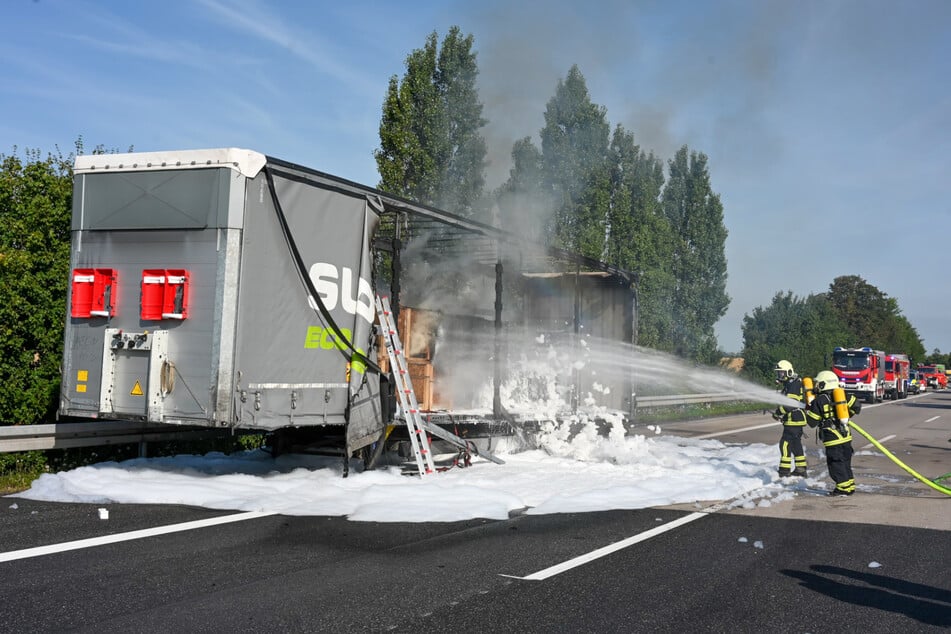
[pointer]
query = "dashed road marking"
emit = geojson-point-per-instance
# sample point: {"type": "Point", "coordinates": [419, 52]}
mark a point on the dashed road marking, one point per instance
{"type": "Point", "coordinates": [607, 550]}
{"type": "Point", "coordinates": [92, 542]}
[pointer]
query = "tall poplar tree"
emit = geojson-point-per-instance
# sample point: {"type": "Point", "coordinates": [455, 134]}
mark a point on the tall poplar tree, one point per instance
{"type": "Point", "coordinates": [600, 198]}
{"type": "Point", "coordinates": [431, 149]}
{"type": "Point", "coordinates": [699, 259]}
{"type": "Point", "coordinates": [523, 201]}
{"type": "Point", "coordinates": [624, 212]}
{"type": "Point", "coordinates": [574, 144]}
{"type": "Point", "coordinates": [564, 187]}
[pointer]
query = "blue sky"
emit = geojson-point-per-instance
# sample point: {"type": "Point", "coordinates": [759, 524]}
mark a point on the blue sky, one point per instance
{"type": "Point", "coordinates": [827, 124]}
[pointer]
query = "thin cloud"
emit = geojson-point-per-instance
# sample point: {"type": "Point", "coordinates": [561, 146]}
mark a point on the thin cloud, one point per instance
{"type": "Point", "coordinates": [253, 18]}
{"type": "Point", "coordinates": [110, 32]}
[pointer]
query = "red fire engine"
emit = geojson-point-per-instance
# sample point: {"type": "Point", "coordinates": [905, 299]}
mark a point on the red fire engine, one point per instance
{"type": "Point", "coordinates": [934, 375]}
{"type": "Point", "coordinates": [896, 375]}
{"type": "Point", "coordinates": [861, 372]}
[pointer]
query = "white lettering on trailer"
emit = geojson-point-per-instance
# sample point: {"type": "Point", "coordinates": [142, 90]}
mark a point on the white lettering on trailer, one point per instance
{"type": "Point", "coordinates": [325, 277]}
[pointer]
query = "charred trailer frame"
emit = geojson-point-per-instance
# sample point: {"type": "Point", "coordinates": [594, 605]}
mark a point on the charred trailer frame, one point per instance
{"type": "Point", "coordinates": [483, 287]}
{"type": "Point", "coordinates": [224, 288]}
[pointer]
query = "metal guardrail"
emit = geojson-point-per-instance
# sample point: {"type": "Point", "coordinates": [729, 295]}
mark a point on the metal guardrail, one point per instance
{"type": "Point", "coordinates": [690, 399]}
{"type": "Point", "coordinates": [95, 434]}
{"type": "Point", "coordinates": [102, 433]}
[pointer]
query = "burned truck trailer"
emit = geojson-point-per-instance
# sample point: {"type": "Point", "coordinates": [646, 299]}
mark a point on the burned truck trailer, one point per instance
{"type": "Point", "coordinates": [188, 301]}
{"type": "Point", "coordinates": [228, 289]}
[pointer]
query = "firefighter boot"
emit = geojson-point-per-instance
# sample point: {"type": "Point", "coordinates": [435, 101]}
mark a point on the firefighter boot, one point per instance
{"type": "Point", "coordinates": [799, 471]}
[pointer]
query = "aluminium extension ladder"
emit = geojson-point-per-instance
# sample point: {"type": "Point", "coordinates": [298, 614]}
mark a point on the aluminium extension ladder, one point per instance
{"type": "Point", "coordinates": [404, 389]}
{"type": "Point", "coordinates": [415, 424]}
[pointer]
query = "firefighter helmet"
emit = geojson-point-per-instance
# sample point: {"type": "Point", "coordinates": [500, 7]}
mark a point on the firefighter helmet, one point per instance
{"type": "Point", "coordinates": [826, 381]}
{"type": "Point", "coordinates": [784, 371]}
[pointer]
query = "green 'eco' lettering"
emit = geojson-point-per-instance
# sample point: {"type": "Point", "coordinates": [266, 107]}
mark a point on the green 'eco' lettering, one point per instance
{"type": "Point", "coordinates": [325, 339]}
{"type": "Point", "coordinates": [321, 338]}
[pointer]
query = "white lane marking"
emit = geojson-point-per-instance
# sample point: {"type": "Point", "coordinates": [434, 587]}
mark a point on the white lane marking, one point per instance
{"type": "Point", "coordinates": [933, 418]}
{"type": "Point", "coordinates": [735, 431]}
{"type": "Point", "coordinates": [880, 440]}
{"type": "Point", "coordinates": [92, 542]}
{"type": "Point", "coordinates": [607, 550]}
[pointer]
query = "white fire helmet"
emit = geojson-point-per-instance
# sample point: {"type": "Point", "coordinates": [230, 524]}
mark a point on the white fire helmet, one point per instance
{"type": "Point", "coordinates": [826, 381]}
{"type": "Point", "coordinates": [784, 371]}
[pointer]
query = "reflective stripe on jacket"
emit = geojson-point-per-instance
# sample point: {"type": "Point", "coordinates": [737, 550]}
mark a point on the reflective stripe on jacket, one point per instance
{"type": "Point", "coordinates": [792, 416]}
{"type": "Point", "coordinates": [821, 414]}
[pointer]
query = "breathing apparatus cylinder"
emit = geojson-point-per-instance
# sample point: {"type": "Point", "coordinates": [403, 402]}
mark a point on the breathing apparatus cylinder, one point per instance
{"type": "Point", "coordinates": [807, 386]}
{"type": "Point", "coordinates": [841, 406]}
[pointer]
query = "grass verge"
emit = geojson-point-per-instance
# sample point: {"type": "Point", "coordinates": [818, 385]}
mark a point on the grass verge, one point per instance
{"type": "Point", "coordinates": [697, 411]}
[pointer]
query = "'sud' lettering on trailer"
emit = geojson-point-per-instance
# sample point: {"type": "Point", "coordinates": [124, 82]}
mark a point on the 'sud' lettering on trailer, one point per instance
{"type": "Point", "coordinates": [325, 277]}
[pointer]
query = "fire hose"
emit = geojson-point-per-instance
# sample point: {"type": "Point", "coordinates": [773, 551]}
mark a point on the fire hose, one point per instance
{"type": "Point", "coordinates": [934, 485]}
{"type": "Point", "coordinates": [842, 413]}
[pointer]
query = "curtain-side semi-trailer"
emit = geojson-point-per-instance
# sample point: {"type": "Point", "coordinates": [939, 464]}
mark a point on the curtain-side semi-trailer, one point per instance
{"type": "Point", "coordinates": [188, 300]}
{"type": "Point", "coordinates": [861, 372]}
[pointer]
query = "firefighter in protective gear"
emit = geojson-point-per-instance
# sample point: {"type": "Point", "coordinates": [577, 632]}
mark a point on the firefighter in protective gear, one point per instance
{"type": "Point", "coordinates": [793, 420]}
{"type": "Point", "coordinates": [834, 433]}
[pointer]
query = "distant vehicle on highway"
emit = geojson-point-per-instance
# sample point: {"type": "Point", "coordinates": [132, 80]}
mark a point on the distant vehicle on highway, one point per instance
{"type": "Point", "coordinates": [934, 375]}
{"type": "Point", "coordinates": [896, 375]}
{"type": "Point", "coordinates": [915, 383]}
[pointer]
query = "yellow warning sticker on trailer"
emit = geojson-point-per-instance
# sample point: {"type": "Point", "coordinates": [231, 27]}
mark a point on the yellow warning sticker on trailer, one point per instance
{"type": "Point", "coordinates": [82, 375]}
{"type": "Point", "coordinates": [136, 389]}
{"type": "Point", "coordinates": [81, 387]}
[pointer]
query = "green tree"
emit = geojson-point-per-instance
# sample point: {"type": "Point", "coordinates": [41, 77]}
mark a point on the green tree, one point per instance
{"type": "Point", "coordinates": [608, 200]}
{"type": "Point", "coordinates": [35, 201]}
{"type": "Point", "coordinates": [638, 236]}
{"type": "Point", "coordinates": [864, 308]}
{"type": "Point", "coordinates": [431, 150]}
{"type": "Point", "coordinates": [695, 215]}
{"type": "Point", "coordinates": [566, 187]}
{"type": "Point", "coordinates": [574, 148]}
{"type": "Point", "coordinates": [903, 337]}
{"type": "Point", "coordinates": [523, 202]}
{"type": "Point", "coordinates": [801, 330]}
{"type": "Point", "coordinates": [873, 318]}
